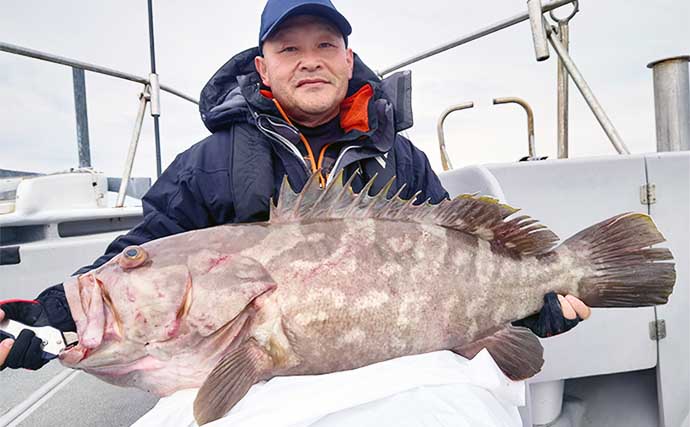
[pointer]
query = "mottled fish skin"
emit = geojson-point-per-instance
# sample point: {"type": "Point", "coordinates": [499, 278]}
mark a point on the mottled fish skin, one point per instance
{"type": "Point", "coordinates": [339, 280]}
{"type": "Point", "coordinates": [355, 292]}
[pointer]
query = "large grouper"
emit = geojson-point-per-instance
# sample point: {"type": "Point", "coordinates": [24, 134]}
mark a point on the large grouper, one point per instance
{"type": "Point", "coordinates": [336, 280]}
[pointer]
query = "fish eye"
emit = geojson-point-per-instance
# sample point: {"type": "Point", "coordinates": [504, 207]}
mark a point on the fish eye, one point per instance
{"type": "Point", "coordinates": [132, 253]}
{"type": "Point", "coordinates": [132, 257]}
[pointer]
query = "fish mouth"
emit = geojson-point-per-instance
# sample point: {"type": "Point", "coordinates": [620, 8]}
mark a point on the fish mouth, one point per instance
{"type": "Point", "coordinates": [144, 363]}
{"type": "Point", "coordinates": [94, 315]}
{"type": "Point", "coordinates": [72, 356]}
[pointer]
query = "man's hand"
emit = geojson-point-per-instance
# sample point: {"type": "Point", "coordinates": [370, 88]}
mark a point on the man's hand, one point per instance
{"type": "Point", "coordinates": [559, 314]}
{"type": "Point", "coordinates": [26, 350]}
{"type": "Point", "coordinates": [50, 308]}
{"type": "Point", "coordinates": [5, 345]}
{"type": "Point", "coordinates": [573, 307]}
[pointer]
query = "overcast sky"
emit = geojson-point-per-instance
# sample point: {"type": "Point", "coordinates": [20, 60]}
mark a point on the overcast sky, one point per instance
{"type": "Point", "coordinates": [612, 41]}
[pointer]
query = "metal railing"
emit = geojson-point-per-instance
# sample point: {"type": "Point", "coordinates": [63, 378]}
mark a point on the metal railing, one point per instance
{"type": "Point", "coordinates": [562, 84]}
{"type": "Point", "coordinates": [31, 53]}
{"type": "Point", "coordinates": [531, 148]}
{"type": "Point", "coordinates": [445, 158]}
{"type": "Point", "coordinates": [586, 92]}
{"type": "Point", "coordinates": [501, 25]}
{"type": "Point", "coordinates": [150, 94]}
{"type": "Point", "coordinates": [543, 34]}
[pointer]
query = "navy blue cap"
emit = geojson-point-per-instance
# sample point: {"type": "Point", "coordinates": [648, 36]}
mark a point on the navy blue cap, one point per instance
{"type": "Point", "coordinates": [276, 11]}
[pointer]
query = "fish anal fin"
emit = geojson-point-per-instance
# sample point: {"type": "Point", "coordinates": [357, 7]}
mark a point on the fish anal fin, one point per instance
{"type": "Point", "coordinates": [230, 380]}
{"type": "Point", "coordinates": [516, 350]}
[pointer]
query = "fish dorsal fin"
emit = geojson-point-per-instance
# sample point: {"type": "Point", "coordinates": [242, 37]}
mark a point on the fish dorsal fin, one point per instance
{"type": "Point", "coordinates": [480, 216]}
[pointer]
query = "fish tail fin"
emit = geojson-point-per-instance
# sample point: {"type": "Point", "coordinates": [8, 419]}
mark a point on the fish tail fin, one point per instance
{"type": "Point", "coordinates": [625, 270]}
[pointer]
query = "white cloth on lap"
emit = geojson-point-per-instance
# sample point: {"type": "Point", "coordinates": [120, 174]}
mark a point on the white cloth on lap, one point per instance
{"type": "Point", "coordinates": [436, 389]}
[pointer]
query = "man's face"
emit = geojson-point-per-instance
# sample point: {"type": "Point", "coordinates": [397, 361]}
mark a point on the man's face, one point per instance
{"type": "Point", "coordinates": [308, 69]}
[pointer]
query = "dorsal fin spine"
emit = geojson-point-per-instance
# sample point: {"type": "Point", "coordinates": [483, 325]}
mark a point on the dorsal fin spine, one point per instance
{"type": "Point", "coordinates": [344, 189]}
{"type": "Point", "coordinates": [408, 206]}
{"type": "Point", "coordinates": [300, 200]}
{"type": "Point", "coordinates": [286, 198]}
{"type": "Point", "coordinates": [381, 195]}
{"type": "Point", "coordinates": [325, 193]}
{"type": "Point", "coordinates": [391, 202]}
{"type": "Point", "coordinates": [359, 197]}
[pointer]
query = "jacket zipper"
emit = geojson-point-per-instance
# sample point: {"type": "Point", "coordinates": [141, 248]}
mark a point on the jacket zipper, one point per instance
{"type": "Point", "coordinates": [283, 141]}
{"type": "Point", "coordinates": [295, 151]}
{"type": "Point", "coordinates": [337, 161]}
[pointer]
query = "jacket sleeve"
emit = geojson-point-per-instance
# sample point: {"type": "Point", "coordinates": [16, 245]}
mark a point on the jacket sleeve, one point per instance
{"type": "Point", "coordinates": [415, 166]}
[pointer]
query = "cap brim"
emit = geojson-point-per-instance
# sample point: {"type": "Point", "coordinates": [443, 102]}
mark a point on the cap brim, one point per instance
{"type": "Point", "coordinates": [316, 9]}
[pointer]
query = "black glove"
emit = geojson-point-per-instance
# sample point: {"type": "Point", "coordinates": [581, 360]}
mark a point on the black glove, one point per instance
{"type": "Point", "coordinates": [49, 309]}
{"type": "Point", "coordinates": [550, 320]}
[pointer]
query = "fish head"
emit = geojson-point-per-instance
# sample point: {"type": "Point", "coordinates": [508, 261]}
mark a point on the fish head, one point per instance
{"type": "Point", "coordinates": [129, 303]}
{"type": "Point", "coordinates": [155, 301]}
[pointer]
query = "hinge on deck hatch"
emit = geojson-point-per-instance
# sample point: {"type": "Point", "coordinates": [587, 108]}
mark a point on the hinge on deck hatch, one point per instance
{"type": "Point", "coordinates": [648, 194]}
{"type": "Point", "coordinates": [657, 330]}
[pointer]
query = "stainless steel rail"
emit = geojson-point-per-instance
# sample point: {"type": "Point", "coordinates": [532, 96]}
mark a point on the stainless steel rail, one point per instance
{"type": "Point", "coordinates": [541, 46]}
{"type": "Point", "coordinates": [445, 159]}
{"type": "Point", "coordinates": [473, 36]}
{"type": "Point", "coordinates": [22, 51]}
{"type": "Point", "coordinates": [530, 121]}
{"type": "Point", "coordinates": [152, 88]}
{"type": "Point", "coordinates": [586, 92]}
{"type": "Point", "coordinates": [566, 67]}
{"type": "Point", "coordinates": [144, 99]}
{"type": "Point", "coordinates": [563, 80]}
{"type": "Point", "coordinates": [83, 146]}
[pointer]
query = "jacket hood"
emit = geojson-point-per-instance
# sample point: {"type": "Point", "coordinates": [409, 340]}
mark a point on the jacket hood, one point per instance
{"type": "Point", "coordinates": [234, 92]}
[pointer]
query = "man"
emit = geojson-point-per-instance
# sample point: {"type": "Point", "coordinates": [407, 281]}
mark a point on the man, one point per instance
{"type": "Point", "coordinates": [299, 104]}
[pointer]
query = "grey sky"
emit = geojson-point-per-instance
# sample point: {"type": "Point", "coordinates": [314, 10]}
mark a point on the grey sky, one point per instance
{"type": "Point", "coordinates": [612, 41]}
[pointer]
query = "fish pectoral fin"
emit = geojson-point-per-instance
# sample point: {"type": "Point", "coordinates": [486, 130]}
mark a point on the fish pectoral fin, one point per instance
{"type": "Point", "coordinates": [516, 350]}
{"type": "Point", "coordinates": [229, 381]}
